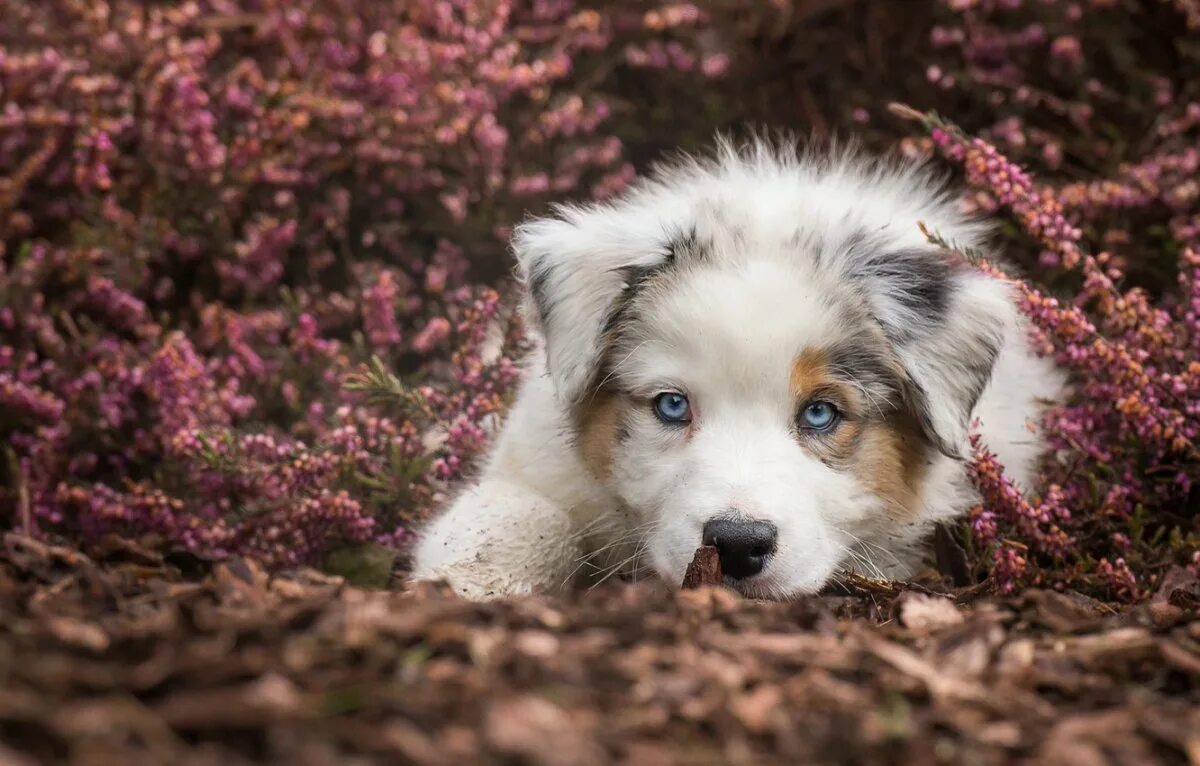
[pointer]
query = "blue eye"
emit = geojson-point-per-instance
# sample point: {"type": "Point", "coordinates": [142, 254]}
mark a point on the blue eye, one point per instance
{"type": "Point", "coordinates": [819, 416]}
{"type": "Point", "coordinates": [671, 407]}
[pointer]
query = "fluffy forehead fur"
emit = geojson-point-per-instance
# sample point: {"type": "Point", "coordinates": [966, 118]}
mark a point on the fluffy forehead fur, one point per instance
{"type": "Point", "coordinates": [835, 235]}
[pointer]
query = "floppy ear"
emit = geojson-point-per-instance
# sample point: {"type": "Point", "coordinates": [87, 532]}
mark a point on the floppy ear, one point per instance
{"type": "Point", "coordinates": [947, 323]}
{"type": "Point", "coordinates": [576, 267]}
{"type": "Point", "coordinates": [950, 365]}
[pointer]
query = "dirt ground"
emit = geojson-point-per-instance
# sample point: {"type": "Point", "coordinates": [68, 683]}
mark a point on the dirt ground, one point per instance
{"type": "Point", "coordinates": [127, 658]}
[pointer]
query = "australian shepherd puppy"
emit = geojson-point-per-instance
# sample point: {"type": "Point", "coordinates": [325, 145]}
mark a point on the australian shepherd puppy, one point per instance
{"type": "Point", "coordinates": [759, 351]}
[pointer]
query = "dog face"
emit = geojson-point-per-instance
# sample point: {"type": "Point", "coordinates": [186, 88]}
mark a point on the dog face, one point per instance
{"type": "Point", "coordinates": [764, 353]}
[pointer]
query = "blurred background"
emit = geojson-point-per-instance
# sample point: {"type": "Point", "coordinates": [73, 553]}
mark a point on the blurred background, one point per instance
{"type": "Point", "coordinates": [254, 286]}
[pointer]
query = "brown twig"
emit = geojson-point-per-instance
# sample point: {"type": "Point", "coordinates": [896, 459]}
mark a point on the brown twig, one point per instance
{"type": "Point", "coordinates": [18, 476]}
{"type": "Point", "coordinates": [704, 569]}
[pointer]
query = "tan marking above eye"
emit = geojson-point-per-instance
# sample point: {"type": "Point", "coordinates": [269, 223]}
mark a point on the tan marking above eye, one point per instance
{"type": "Point", "coordinates": [810, 371]}
{"type": "Point", "coordinates": [812, 380]}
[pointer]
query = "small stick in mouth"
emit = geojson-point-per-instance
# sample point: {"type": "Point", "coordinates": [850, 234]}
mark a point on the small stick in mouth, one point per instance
{"type": "Point", "coordinates": [705, 568]}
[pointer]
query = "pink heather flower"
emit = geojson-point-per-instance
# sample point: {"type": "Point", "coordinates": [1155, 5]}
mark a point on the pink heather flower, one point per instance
{"type": "Point", "coordinates": [536, 183]}
{"type": "Point", "coordinates": [121, 308]}
{"type": "Point", "coordinates": [436, 331]}
{"type": "Point", "coordinates": [306, 341]}
{"type": "Point", "coordinates": [1008, 569]}
{"type": "Point", "coordinates": [1068, 51]}
{"type": "Point", "coordinates": [983, 525]}
{"type": "Point", "coordinates": [379, 311]}
{"type": "Point", "coordinates": [1119, 577]}
{"type": "Point", "coordinates": [260, 257]}
{"type": "Point", "coordinates": [456, 203]}
{"type": "Point", "coordinates": [21, 401]}
{"type": "Point", "coordinates": [1036, 523]}
{"type": "Point", "coordinates": [715, 65]}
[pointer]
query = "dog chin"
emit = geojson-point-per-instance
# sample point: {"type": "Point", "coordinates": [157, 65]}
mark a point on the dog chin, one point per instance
{"type": "Point", "coordinates": [759, 587]}
{"type": "Point", "coordinates": [770, 585]}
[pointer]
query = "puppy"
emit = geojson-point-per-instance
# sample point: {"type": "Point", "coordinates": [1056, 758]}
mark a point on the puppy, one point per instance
{"type": "Point", "coordinates": [760, 351]}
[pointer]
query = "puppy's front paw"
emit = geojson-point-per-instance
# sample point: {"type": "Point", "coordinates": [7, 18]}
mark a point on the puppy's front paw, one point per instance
{"type": "Point", "coordinates": [499, 539]}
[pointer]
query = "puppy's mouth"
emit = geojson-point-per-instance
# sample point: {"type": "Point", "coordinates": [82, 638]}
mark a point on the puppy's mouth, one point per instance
{"type": "Point", "coordinates": [754, 587]}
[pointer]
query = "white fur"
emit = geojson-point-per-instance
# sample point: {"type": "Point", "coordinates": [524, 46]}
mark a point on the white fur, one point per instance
{"type": "Point", "coordinates": [787, 242]}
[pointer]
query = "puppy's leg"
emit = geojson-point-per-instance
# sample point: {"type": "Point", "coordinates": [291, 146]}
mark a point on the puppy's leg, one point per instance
{"type": "Point", "coordinates": [500, 538]}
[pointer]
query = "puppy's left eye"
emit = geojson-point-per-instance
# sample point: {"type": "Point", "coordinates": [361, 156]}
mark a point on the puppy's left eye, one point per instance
{"type": "Point", "coordinates": [819, 416]}
{"type": "Point", "coordinates": [671, 407]}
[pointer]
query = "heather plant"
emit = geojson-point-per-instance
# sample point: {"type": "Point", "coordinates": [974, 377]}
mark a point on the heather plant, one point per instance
{"type": "Point", "coordinates": [1103, 100]}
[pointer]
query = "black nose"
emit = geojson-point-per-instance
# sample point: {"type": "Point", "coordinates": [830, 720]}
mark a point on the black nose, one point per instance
{"type": "Point", "coordinates": [743, 546]}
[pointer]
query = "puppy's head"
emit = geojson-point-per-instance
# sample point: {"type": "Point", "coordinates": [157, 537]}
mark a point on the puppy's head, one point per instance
{"type": "Point", "coordinates": [762, 351]}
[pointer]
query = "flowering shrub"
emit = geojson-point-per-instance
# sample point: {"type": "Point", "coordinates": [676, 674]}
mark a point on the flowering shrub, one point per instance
{"type": "Point", "coordinates": [242, 242]}
{"type": "Point", "coordinates": [1108, 107]}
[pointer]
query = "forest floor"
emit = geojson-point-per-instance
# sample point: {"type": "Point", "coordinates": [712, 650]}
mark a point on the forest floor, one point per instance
{"type": "Point", "coordinates": [127, 658]}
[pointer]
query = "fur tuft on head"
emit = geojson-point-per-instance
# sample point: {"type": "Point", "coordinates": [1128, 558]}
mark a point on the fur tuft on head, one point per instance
{"type": "Point", "coordinates": [850, 218]}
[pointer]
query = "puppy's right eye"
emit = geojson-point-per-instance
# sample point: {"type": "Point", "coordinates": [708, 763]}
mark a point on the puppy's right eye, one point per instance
{"type": "Point", "coordinates": [819, 416]}
{"type": "Point", "coordinates": [672, 407]}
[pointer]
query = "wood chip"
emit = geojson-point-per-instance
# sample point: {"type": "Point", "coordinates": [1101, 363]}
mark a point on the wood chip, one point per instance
{"type": "Point", "coordinates": [227, 665]}
{"type": "Point", "coordinates": [705, 568]}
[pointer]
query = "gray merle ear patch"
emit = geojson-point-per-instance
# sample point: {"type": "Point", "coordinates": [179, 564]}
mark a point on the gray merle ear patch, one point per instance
{"type": "Point", "coordinates": [947, 324]}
